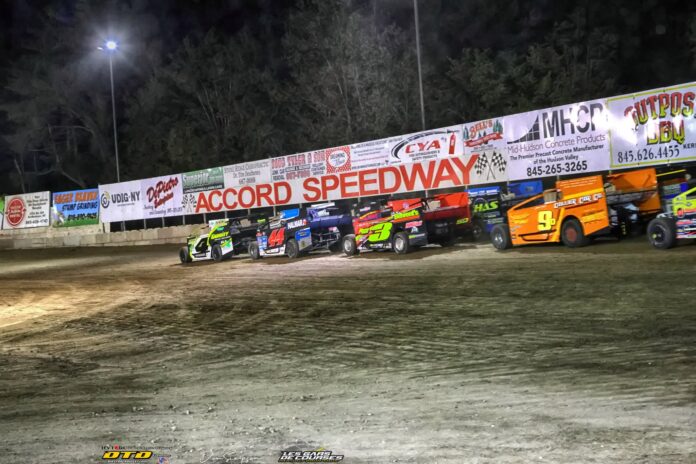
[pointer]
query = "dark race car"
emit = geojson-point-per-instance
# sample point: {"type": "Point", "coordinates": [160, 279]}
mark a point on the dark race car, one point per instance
{"type": "Point", "coordinates": [298, 231]}
{"type": "Point", "coordinates": [226, 238]}
{"type": "Point", "coordinates": [490, 204]}
{"type": "Point", "coordinates": [678, 221]}
{"type": "Point", "coordinates": [401, 225]}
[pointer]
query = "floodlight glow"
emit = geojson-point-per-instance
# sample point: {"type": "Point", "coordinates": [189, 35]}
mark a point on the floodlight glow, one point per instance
{"type": "Point", "coordinates": [111, 45]}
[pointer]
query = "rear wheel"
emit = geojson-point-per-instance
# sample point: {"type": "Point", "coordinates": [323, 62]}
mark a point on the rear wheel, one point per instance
{"type": "Point", "coordinates": [292, 249]}
{"type": "Point", "coordinates": [400, 244]}
{"type": "Point", "coordinates": [500, 237]}
{"type": "Point", "coordinates": [348, 245]}
{"type": "Point", "coordinates": [662, 233]}
{"type": "Point", "coordinates": [254, 252]}
{"type": "Point", "coordinates": [184, 256]}
{"type": "Point", "coordinates": [216, 253]}
{"type": "Point", "coordinates": [573, 235]}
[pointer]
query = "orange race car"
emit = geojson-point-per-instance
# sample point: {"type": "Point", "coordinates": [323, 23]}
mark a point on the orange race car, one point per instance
{"type": "Point", "coordinates": [579, 209]}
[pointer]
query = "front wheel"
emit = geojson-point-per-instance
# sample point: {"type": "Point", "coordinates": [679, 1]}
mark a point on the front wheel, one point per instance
{"type": "Point", "coordinates": [184, 255]}
{"type": "Point", "coordinates": [573, 235]}
{"type": "Point", "coordinates": [662, 233]}
{"type": "Point", "coordinates": [292, 249]}
{"type": "Point", "coordinates": [401, 244]}
{"type": "Point", "coordinates": [348, 245]}
{"type": "Point", "coordinates": [500, 237]}
{"type": "Point", "coordinates": [254, 252]}
{"type": "Point", "coordinates": [216, 253]}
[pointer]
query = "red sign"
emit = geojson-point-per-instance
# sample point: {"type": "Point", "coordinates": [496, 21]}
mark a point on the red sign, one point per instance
{"type": "Point", "coordinates": [15, 212]}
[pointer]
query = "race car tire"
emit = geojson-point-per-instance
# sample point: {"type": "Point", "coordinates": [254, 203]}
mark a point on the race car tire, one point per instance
{"type": "Point", "coordinates": [254, 252]}
{"type": "Point", "coordinates": [216, 253]}
{"type": "Point", "coordinates": [184, 256]}
{"type": "Point", "coordinates": [500, 237]}
{"type": "Point", "coordinates": [478, 230]}
{"type": "Point", "coordinates": [292, 249]}
{"type": "Point", "coordinates": [573, 235]}
{"type": "Point", "coordinates": [401, 244]}
{"type": "Point", "coordinates": [348, 245]}
{"type": "Point", "coordinates": [662, 233]}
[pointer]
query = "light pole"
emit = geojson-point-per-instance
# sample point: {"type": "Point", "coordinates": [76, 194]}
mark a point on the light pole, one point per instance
{"type": "Point", "coordinates": [110, 46]}
{"type": "Point", "coordinates": [418, 54]}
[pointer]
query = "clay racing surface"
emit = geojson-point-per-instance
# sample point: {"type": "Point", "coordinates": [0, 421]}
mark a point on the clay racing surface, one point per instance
{"type": "Point", "coordinates": [455, 355]}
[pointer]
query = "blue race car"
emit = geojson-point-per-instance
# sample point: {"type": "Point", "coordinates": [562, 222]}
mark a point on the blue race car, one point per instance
{"type": "Point", "coordinates": [490, 204]}
{"type": "Point", "coordinates": [298, 231]}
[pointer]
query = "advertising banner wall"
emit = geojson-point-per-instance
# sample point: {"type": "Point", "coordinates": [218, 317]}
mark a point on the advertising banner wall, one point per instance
{"type": "Point", "coordinates": [204, 179]}
{"type": "Point", "coordinates": [439, 173]}
{"type": "Point", "coordinates": [75, 208]}
{"type": "Point", "coordinates": [653, 127]}
{"type": "Point", "coordinates": [563, 140]}
{"type": "Point", "coordinates": [27, 210]}
{"type": "Point", "coordinates": [162, 196]}
{"type": "Point", "coordinates": [120, 202]}
{"type": "Point", "coordinates": [485, 141]}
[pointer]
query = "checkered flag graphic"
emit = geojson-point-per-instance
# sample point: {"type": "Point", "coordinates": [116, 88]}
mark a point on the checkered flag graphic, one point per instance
{"type": "Point", "coordinates": [481, 164]}
{"type": "Point", "coordinates": [499, 162]}
{"type": "Point", "coordinates": [189, 203]}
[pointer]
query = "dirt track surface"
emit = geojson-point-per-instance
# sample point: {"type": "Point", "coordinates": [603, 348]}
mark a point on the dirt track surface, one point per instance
{"type": "Point", "coordinates": [461, 355]}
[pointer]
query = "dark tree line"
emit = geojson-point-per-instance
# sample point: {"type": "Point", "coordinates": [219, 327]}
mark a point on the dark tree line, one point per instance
{"type": "Point", "coordinates": [203, 84]}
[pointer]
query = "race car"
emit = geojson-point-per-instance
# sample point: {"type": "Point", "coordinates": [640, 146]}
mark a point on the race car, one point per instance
{"type": "Point", "coordinates": [679, 221]}
{"type": "Point", "coordinates": [580, 209]}
{"type": "Point", "coordinates": [298, 231]}
{"type": "Point", "coordinates": [401, 225]}
{"type": "Point", "coordinates": [224, 239]}
{"type": "Point", "coordinates": [489, 204]}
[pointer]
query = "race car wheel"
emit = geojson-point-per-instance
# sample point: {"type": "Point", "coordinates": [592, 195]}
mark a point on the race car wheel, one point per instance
{"type": "Point", "coordinates": [254, 252]}
{"type": "Point", "coordinates": [401, 245]}
{"type": "Point", "coordinates": [292, 249]}
{"type": "Point", "coordinates": [184, 255]}
{"type": "Point", "coordinates": [572, 234]}
{"type": "Point", "coordinates": [500, 237]}
{"type": "Point", "coordinates": [216, 253]}
{"type": "Point", "coordinates": [348, 245]}
{"type": "Point", "coordinates": [662, 233]}
{"type": "Point", "coordinates": [478, 230]}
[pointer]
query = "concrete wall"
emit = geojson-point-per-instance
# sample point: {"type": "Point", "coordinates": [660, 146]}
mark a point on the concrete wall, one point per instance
{"type": "Point", "coordinates": [95, 235]}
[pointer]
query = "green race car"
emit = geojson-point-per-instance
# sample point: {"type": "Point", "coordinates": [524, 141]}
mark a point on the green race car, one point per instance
{"type": "Point", "coordinates": [226, 238]}
{"type": "Point", "coordinates": [678, 222]}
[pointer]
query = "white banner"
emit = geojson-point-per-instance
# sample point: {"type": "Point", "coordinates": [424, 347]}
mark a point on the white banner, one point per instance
{"type": "Point", "coordinates": [484, 141]}
{"type": "Point", "coordinates": [423, 146]}
{"type": "Point", "coordinates": [253, 172]}
{"type": "Point", "coordinates": [162, 196]}
{"type": "Point", "coordinates": [653, 127]}
{"type": "Point", "coordinates": [120, 202]}
{"type": "Point", "coordinates": [298, 166]}
{"type": "Point", "coordinates": [27, 210]}
{"type": "Point", "coordinates": [364, 155]}
{"type": "Point", "coordinates": [563, 140]}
